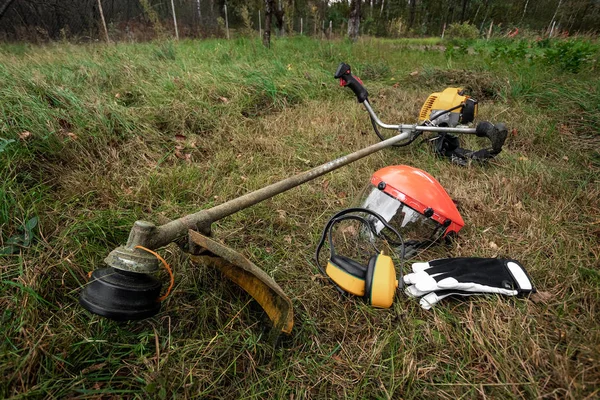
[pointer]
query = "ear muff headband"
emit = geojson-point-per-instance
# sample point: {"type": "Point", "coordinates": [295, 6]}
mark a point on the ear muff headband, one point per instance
{"type": "Point", "coordinates": [349, 211]}
{"type": "Point", "coordinates": [344, 218]}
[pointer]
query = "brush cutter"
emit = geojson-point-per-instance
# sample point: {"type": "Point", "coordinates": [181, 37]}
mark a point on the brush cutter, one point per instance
{"type": "Point", "coordinates": [126, 289]}
{"type": "Point", "coordinates": [445, 114]}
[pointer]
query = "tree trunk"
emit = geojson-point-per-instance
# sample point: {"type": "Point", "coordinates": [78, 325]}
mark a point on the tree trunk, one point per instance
{"type": "Point", "coordinates": [279, 18]}
{"type": "Point", "coordinates": [269, 8]}
{"type": "Point", "coordinates": [554, 16]}
{"type": "Point", "coordinates": [449, 13]}
{"type": "Point", "coordinates": [412, 4]}
{"type": "Point", "coordinates": [354, 20]}
{"type": "Point", "coordinates": [174, 19]}
{"type": "Point", "coordinates": [103, 21]}
{"type": "Point", "coordinates": [524, 10]}
{"type": "Point", "coordinates": [464, 10]}
{"type": "Point", "coordinates": [4, 7]}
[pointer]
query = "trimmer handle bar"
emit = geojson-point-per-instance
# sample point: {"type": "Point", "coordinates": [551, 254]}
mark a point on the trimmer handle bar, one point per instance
{"type": "Point", "coordinates": [344, 74]}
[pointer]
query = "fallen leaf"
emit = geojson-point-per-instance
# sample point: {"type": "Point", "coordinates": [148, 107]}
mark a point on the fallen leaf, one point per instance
{"type": "Point", "coordinates": [325, 184]}
{"type": "Point", "coordinates": [514, 132]}
{"type": "Point", "coordinates": [396, 85]}
{"type": "Point", "coordinates": [350, 230]}
{"type": "Point", "coordinates": [564, 129]}
{"type": "Point", "coordinates": [117, 95]}
{"type": "Point", "coordinates": [72, 136]}
{"type": "Point", "coordinates": [224, 99]}
{"type": "Point", "coordinates": [540, 297]}
{"type": "Point", "coordinates": [565, 158]}
{"type": "Point", "coordinates": [414, 73]}
{"type": "Point", "coordinates": [24, 135]}
{"type": "Point", "coordinates": [342, 195]}
{"type": "Point", "coordinates": [180, 137]}
{"type": "Point", "coordinates": [184, 156]}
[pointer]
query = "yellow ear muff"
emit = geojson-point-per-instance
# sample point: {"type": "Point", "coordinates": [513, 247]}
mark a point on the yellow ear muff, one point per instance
{"type": "Point", "coordinates": [347, 274]}
{"type": "Point", "coordinates": [376, 282]}
{"type": "Point", "coordinates": [380, 281]}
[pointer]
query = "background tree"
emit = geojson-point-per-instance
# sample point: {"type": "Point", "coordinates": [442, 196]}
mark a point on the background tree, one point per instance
{"type": "Point", "coordinates": [354, 19]}
{"type": "Point", "coordinates": [137, 19]}
{"type": "Point", "coordinates": [269, 10]}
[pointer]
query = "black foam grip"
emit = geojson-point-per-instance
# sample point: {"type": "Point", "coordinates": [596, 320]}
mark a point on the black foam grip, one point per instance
{"type": "Point", "coordinates": [344, 72]}
{"type": "Point", "coordinates": [358, 89]}
{"type": "Point", "coordinates": [484, 128]}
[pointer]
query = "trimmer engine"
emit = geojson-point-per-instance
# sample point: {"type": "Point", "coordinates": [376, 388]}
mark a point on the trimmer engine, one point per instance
{"type": "Point", "coordinates": [449, 108]}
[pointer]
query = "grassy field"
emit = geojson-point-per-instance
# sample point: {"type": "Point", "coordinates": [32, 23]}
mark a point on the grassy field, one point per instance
{"type": "Point", "coordinates": [95, 137]}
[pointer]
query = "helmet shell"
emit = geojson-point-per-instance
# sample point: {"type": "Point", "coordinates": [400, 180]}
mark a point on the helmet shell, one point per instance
{"type": "Point", "coordinates": [421, 192]}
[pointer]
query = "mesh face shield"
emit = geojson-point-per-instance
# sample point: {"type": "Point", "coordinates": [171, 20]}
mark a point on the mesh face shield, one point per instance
{"type": "Point", "coordinates": [418, 230]}
{"type": "Point", "coordinates": [414, 203]}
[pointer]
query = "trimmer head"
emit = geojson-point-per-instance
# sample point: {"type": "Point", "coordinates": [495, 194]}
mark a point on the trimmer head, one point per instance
{"type": "Point", "coordinates": [121, 295]}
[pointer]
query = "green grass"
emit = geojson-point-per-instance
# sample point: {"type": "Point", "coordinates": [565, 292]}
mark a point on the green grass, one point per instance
{"type": "Point", "coordinates": [158, 130]}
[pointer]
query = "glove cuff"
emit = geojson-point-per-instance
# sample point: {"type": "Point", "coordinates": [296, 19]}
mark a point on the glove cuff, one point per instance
{"type": "Point", "coordinates": [520, 277]}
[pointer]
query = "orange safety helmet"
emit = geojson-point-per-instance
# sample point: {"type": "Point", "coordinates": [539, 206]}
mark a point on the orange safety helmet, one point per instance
{"type": "Point", "coordinates": [413, 202]}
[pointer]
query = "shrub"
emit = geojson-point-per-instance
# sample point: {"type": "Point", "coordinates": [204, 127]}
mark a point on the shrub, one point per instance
{"type": "Point", "coordinates": [570, 55]}
{"type": "Point", "coordinates": [511, 50]}
{"type": "Point", "coordinates": [462, 31]}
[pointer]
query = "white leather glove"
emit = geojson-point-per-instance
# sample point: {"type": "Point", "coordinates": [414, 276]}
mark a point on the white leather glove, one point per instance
{"type": "Point", "coordinates": [466, 276]}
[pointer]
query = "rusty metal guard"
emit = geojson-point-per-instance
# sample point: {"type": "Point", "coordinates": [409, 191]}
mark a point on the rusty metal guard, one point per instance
{"type": "Point", "coordinates": [248, 276]}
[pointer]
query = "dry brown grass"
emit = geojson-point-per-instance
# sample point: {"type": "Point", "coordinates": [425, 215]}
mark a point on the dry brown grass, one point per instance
{"type": "Point", "coordinates": [537, 202]}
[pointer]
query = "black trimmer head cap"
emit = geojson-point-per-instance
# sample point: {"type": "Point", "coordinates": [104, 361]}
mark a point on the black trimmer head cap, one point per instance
{"type": "Point", "coordinates": [121, 295]}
